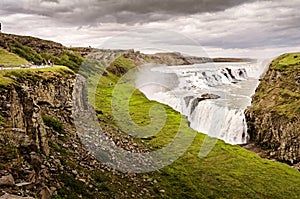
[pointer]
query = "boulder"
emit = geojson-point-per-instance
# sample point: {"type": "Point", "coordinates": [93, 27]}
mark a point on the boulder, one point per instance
{"type": "Point", "coordinates": [7, 180]}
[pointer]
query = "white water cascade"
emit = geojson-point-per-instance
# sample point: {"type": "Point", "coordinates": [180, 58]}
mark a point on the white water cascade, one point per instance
{"type": "Point", "coordinates": [213, 96]}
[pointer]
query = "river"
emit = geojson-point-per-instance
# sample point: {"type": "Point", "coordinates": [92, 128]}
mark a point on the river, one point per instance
{"type": "Point", "coordinates": [213, 96]}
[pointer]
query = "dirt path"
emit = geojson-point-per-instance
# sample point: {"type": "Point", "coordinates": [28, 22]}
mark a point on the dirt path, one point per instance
{"type": "Point", "coordinates": [19, 67]}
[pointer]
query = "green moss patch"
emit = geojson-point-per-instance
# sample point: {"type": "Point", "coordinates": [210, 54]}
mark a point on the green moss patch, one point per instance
{"type": "Point", "coordinates": [281, 93]}
{"type": "Point", "coordinates": [8, 77]}
{"type": "Point", "coordinates": [8, 59]}
{"type": "Point", "coordinates": [53, 123]}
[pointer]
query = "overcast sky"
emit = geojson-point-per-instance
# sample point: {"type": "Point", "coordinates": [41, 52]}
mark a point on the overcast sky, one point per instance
{"type": "Point", "coordinates": [224, 28]}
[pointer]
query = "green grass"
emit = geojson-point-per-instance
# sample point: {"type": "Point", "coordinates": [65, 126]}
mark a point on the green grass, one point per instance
{"type": "Point", "coordinates": [25, 52]}
{"type": "Point", "coordinates": [53, 123]}
{"type": "Point", "coordinates": [8, 59]}
{"type": "Point", "coordinates": [227, 172]}
{"type": "Point", "coordinates": [8, 77]}
{"type": "Point", "coordinates": [289, 61]}
{"type": "Point", "coordinates": [76, 187]}
{"type": "Point", "coordinates": [283, 95]}
{"type": "Point", "coordinates": [65, 58]}
{"type": "Point", "coordinates": [1, 120]}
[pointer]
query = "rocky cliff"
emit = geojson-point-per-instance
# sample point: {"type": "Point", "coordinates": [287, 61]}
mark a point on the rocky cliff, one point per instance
{"type": "Point", "coordinates": [41, 155]}
{"type": "Point", "coordinates": [26, 102]}
{"type": "Point", "coordinates": [36, 110]}
{"type": "Point", "coordinates": [274, 117]}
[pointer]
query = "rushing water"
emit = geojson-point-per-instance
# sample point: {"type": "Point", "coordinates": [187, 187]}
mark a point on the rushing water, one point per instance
{"type": "Point", "coordinates": [213, 96]}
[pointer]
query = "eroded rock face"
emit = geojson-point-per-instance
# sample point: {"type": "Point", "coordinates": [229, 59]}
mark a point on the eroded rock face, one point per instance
{"type": "Point", "coordinates": [274, 118]}
{"type": "Point", "coordinates": [279, 135]}
{"type": "Point", "coordinates": [24, 104]}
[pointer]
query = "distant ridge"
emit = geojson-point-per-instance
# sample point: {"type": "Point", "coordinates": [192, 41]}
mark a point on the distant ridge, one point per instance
{"type": "Point", "coordinates": [232, 59]}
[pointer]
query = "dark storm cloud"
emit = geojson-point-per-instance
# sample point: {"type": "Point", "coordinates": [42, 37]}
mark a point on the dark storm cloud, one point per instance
{"type": "Point", "coordinates": [120, 11]}
{"type": "Point", "coordinates": [173, 7]}
{"type": "Point", "coordinates": [223, 24]}
{"type": "Point", "coordinates": [34, 7]}
{"type": "Point", "coordinates": [54, 1]}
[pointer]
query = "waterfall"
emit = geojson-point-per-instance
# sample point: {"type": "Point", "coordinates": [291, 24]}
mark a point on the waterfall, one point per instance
{"type": "Point", "coordinates": [220, 122]}
{"type": "Point", "coordinates": [213, 96]}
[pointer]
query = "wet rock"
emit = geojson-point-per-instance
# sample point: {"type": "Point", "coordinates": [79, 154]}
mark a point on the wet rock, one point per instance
{"type": "Point", "coordinates": [206, 96]}
{"type": "Point", "coordinates": [187, 100]}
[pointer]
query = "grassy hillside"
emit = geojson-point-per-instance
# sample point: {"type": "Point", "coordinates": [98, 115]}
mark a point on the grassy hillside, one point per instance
{"type": "Point", "coordinates": [8, 59]}
{"type": "Point", "coordinates": [227, 172]}
{"type": "Point", "coordinates": [36, 50]}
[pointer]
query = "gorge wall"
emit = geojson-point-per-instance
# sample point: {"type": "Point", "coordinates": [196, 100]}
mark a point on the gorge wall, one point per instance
{"type": "Point", "coordinates": [26, 102]}
{"type": "Point", "coordinates": [36, 111]}
{"type": "Point", "coordinates": [41, 155]}
{"type": "Point", "coordinates": [274, 117]}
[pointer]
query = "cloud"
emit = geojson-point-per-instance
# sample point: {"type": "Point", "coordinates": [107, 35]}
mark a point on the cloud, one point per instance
{"type": "Point", "coordinates": [251, 25]}
{"type": "Point", "coordinates": [52, 1]}
{"type": "Point", "coordinates": [232, 25]}
{"type": "Point", "coordinates": [126, 11]}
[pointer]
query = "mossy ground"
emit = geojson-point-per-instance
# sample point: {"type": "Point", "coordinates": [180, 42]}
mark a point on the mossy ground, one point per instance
{"type": "Point", "coordinates": [283, 96]}
{"type": "Point", "coordinates": [8, 59]}
{"type": "Point", "coordinates": [227, 172]}
{"type": "Point", "coordinates": [8, 77]}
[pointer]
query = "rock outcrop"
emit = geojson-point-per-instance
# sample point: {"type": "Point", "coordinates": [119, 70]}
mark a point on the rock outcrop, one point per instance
{"type": "Point", "coordinates": [26, 162]}
{"type": "Point", "coordinates": [274, 117]}
{"type": "Point", "coordinates": [24, 104]}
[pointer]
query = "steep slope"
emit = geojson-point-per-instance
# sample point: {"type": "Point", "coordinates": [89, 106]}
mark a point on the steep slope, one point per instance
{"type": "Point", "coordinates": [9, 59]}
{"type": "Point", "coordinates": [38, 45]}
{"type": "Point", "coordinates": [274, 117]}
{"type": "Point", "coordinates": [36, 50]}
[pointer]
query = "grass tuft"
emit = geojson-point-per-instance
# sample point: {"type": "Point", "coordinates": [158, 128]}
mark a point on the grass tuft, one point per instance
{"type": "Point", "coordinates": [53, 123]}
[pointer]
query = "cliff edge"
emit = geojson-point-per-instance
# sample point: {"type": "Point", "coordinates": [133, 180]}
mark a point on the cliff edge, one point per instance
{"type": "Point", "coordinates": [274, 117]}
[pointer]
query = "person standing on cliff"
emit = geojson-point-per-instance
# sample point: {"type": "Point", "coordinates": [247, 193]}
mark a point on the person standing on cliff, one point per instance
{"type": "Point", "coordinates": [44, 62]}
{"type": "Point", "coordinates": [52, 62]}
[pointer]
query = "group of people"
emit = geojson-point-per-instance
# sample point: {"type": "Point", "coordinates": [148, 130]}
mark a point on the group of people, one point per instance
{"type": "Point", "coordinates": [49, 62]}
